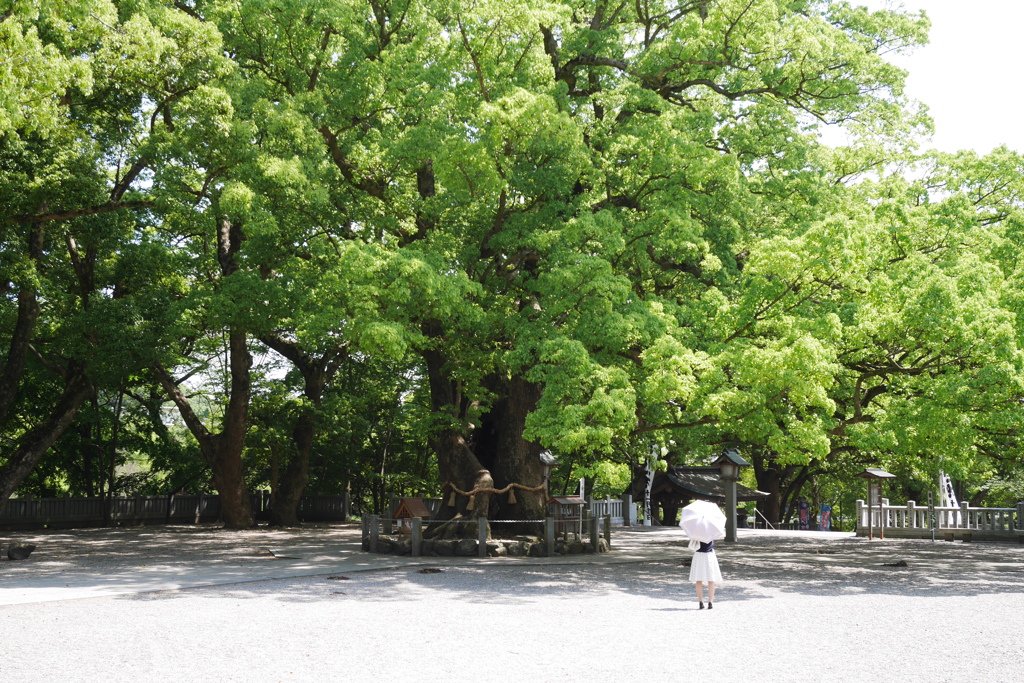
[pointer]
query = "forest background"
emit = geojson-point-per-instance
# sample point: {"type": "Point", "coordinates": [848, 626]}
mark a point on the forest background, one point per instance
{"type": "Point", "coordinates": [402, 247]}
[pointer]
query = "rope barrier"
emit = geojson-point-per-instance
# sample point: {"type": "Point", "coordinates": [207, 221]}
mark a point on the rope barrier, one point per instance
{"type": "Point", "coordinates": [487, 489]}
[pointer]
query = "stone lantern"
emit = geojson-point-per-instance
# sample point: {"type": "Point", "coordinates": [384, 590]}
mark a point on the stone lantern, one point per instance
{"type": "Point", "coordinates": [729, 464]}
{"type": "Point", "coordinates": [548, 461]}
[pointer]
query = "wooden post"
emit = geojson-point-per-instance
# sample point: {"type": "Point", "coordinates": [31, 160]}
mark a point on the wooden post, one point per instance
{"type": "Point", "coordinates": [883, 511]}
{"type": "Point", "coordinates": [871, 511]}
{"type": "Point", "coordinates": [871, 508]}
{"type": "Point", "coordinates": [608, 530]}
{"type": "Point", "coordinates": [481, 536]}
{"type": "Point", "coordinates": [374, 532]}
{"type": "Point", "coordinates": [549, 535]}
{"type": "Point", "coordinates": [417, 535]}
{"type": "Point", "coordinates": [594, 535]}
{"type": "Point", "coordinates": [392, 506]}
{"type": "Point", "coordinates": [932, 520]}
{"type": "Point", "coordinates": [628, 511]}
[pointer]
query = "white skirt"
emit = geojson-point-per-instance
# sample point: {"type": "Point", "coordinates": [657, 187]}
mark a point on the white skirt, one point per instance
{"type": "Point", "coordinates": [704, 567]}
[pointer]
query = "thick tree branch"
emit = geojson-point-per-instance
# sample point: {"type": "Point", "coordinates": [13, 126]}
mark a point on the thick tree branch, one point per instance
{"type": "Point", "coordinates": [77, 213]}
{"type": "Point", "coordinates": [371, 187]}
{"type": "Point", "coordinates": [38, 440]}
{"type": "Point", "coordinates": [12, 369]}
{"type": "Point", "coordinates": [192, 421]}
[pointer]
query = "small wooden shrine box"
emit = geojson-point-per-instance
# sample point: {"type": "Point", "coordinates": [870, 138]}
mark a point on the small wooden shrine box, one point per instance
{"type": "Point", "coordinates": [568, 513]}
{"type": "Point", "coordinates": [407, 509]}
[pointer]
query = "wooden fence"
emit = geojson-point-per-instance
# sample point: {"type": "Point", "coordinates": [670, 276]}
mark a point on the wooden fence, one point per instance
{"type": "Point", "coordinates": [914, 521]}
{"type": "Point", "coordinates": [621, 510]}
{"type": "Point", "coordinates": [34, 513]}
{"type": "Point", "coordinates": [373, 527]}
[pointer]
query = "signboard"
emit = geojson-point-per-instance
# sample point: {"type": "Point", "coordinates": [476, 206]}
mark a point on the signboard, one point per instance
{"type": "Point", "coordinates": [825, 520]}
{"type": "Point", "coordinates": [805, 515]}
{"type": "Point", "coordinates": [648, 481]}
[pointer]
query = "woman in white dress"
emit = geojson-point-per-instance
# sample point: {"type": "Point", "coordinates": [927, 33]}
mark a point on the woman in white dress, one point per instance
{"type": "Point", "coordinates": [704, 567]}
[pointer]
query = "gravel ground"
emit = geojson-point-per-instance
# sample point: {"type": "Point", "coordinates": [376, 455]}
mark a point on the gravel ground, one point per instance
{"type": "Point", "coordinates": [791, 608]}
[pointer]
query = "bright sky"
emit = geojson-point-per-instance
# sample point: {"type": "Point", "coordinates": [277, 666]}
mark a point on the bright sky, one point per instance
{"type": "Point", "coordinates": [970, 73]}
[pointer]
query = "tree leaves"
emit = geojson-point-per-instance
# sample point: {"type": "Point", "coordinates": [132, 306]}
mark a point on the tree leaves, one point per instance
{"type": "Point", "coordinates": [627, 206]}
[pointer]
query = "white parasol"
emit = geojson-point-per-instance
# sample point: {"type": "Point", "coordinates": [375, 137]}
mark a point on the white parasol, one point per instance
{"type": "Point", "coordinates": [703, 521]}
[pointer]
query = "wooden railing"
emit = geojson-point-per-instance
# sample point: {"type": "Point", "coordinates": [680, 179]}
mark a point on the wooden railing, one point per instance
{"type": "Point", "coordinates": [918, 521]}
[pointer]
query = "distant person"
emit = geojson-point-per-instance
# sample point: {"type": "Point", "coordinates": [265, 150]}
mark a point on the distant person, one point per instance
{"type": "Point", "coordinates": [704, 567]}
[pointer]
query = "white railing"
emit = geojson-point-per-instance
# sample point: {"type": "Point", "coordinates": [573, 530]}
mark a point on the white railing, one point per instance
{"type": "Point", "coordinates": [608, 506]}
{"type": "Point", "coordinates": [920, 517]}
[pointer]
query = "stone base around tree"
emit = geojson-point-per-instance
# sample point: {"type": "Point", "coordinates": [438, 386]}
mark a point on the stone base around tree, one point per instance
{"type": "Point", "coordinates": [467, 547]}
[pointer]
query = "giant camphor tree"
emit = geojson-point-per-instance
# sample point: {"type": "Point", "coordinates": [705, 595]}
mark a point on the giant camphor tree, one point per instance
{"type": "Point", "coordinates": [573, 187]}
{"type": "Point", "coordinates": [592, 224]}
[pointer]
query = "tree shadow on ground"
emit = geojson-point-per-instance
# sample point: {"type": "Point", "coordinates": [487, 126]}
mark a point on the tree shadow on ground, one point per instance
{"type": "Point", "coordinates": [745, 579]}
{"type": "Point", "coordinates": [123, 548]}
{"type": "Point", "coordinates": [757, 567]}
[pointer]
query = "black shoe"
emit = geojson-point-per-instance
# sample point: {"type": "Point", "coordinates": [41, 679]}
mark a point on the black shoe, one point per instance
{"type": "Point", "coordinates": [701, 605]}
{"type": "Point", "coordinates": [710, 606]}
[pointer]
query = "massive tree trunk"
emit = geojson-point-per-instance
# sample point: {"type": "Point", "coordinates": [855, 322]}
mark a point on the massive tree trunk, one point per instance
{"type": "Point", "coordinates": [491, 457]}
{"type": "Point", "coordinates": [457, 464]}
{"type": "Point", "coordinates": [36, 442]}
{"type": "Point", "coordinates": [223, 451]}
{"type": "Point", "coordinates": [511, 458]}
